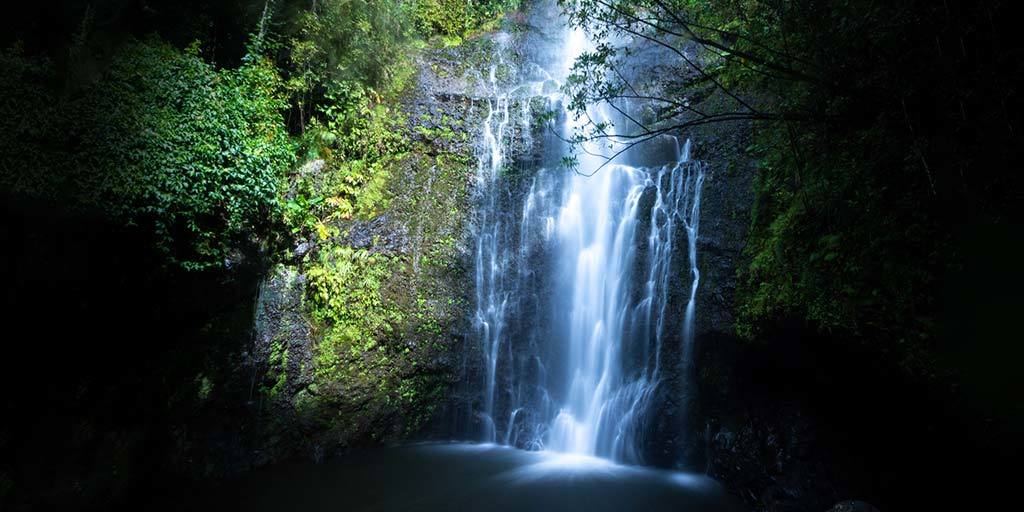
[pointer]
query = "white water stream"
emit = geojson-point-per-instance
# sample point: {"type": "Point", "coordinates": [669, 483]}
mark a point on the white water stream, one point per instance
{"type": "Point", "coordinates": [574, 275]}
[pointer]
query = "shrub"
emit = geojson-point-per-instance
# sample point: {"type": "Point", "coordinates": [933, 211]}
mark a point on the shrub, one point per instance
{"type": "Point", "coordinates": [163, 140]}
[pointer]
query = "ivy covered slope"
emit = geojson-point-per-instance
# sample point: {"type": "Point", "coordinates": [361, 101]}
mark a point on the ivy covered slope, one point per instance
{"type": "Point", "coordinates": [236, 230]}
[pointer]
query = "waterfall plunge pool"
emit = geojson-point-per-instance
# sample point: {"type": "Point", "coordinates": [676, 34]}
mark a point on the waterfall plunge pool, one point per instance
{"type": "Point", "coordinates": [461, 477]}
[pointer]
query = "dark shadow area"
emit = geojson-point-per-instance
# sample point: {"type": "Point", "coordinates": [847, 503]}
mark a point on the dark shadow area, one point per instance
{"type": "Point", "coordinates": [802, 421]}
{"type": "Point", "coordinates": [109, 362]}
{"type": "Point", "coordinates": [50, 27]}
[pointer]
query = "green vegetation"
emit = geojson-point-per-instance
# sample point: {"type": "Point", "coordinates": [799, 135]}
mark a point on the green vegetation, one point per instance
{"type": "Point", "coordinates": [865, 116]}
{"type": "Point", "coordinates": [454, 18]}
{"type": "Point", "coordinates": [854, 198]}
{"type": "Point", "coordinates": [290, 137]}
{"type": "Point", "coordinates": [157, 159]}
{"type": "Point", "coordinates": [194, 154]}
{"type": "Point", "coordinates": [378, 318]}
{"type": "Point", "coordinates": [163, 141]}
{"type": "Point", "coordinates": [345, 295]}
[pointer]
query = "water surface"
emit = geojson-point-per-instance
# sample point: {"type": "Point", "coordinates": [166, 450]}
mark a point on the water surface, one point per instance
{"type": "Point", "coordinates": [458, 477]}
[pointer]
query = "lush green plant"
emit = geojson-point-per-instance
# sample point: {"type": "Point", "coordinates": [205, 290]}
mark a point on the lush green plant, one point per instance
{"type": "Point", "coordinates": [447, 17]}
{"type": "Point", "coordinates": [192, 148]}
{"type": "Point", "coordinates": [360, 142]}
{"type": "Point", "coordinates": [344, 292]}
{"type": "Point", "coordinates": [349, 42]}
{"type": "Point", "coordinates": [204, 150]}
{"type": "Point", "coordinates": [33, 144]}
{"type": "Point", "coordinates": [453, 18]}
{"type": "Point", "coordinates": [162, 140]}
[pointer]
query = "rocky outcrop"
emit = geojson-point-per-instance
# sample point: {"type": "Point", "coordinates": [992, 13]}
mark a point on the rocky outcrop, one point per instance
{"type": "Point", "coordinates": [725, 219]}
{"type": "Point", "coordinates": [282, 350]}
{"type": "Point", "coordinates": [398, 383]}
{"type": "Point", "coordinates": [762, 446]}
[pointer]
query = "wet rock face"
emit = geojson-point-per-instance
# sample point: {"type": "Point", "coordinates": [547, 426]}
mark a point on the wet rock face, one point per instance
{"type": "Point", "coordinates": [281, 327]}
{"type": "Point", "coordinates": [725, 219]}
{"type": "Point", "coordinates": [728, 187]}
{"type": "Point", "coordinates": [760, 443]}
{"type": "Point", "coordinates": [381, 235]}
{"type": "Point", "coordinates": [407, 382]}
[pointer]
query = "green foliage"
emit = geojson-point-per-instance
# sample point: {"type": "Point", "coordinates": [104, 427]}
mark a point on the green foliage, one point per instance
{"type": "Point", "coordinates": [844, 248]}
{"type": "Point", "coordinates": [349, 60]}
{"type": "Point", "coordinates": [347, 65]}
{"type": "Point", "coordinates": [359, 41]}
{"type": "Point", "coordinates": [197, 148]}
{"type": "Point", "coordinates": [850, 233]}
{"type": "Point", "coordinates": [345, 295]}
{"type": "Point", "coordinates": [33, 146]}
{"type": "Point", "coordinates": [359, 356]}
{"type": "Point", "coordinates": [277, 363]}
{"type": "Point", "coordinates": [360, 142]}
{"type": "Point", "coordinates": [205, 387]}
{"type": "Point", "coordinates": [204, 150]}
{"type": "Point", "coordinates": [159, 138]}
{"type": "Point", "coordinates": [865, 117]}
{"type": "Point", "coordinates": [447, 17]}
{"type": "Point", "coordinates": [454, 18]}
{"type": "Point", "coordinates": [162, 140]}
{"type": "Point", "coordinates": [361, 127]}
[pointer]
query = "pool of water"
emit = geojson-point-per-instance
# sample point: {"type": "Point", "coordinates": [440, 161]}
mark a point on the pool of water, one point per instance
{"type": "Point", "coordinates": [458, 477]}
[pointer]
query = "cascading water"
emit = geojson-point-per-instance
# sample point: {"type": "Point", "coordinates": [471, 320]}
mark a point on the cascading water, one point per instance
{"type": "Point", "coordinates": [597, 245]}
{"type": "Point", "coordinates": [575, 272]}
{"type": "Point", "coordinates": [492, 256]}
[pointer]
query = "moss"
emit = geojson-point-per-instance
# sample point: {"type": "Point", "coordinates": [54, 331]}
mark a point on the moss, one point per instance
{"type": "Point", "coordinates": [344, 294]}
{"type": "Point", "coordinates": [379, 314]}
{"type": "Point", "coordinates": [205, 387]}
{"type": "Point", "coordinates": [277, 369]}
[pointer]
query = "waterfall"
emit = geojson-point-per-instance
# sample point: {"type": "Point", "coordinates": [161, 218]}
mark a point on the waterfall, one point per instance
{"type": "Point", "coordinates": [576, 317]}
{"type": "Point", "coordinates": [492, 249]}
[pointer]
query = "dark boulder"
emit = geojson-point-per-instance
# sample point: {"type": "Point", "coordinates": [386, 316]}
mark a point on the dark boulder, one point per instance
{"type": "Point", "coordinates": [853, 506]}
